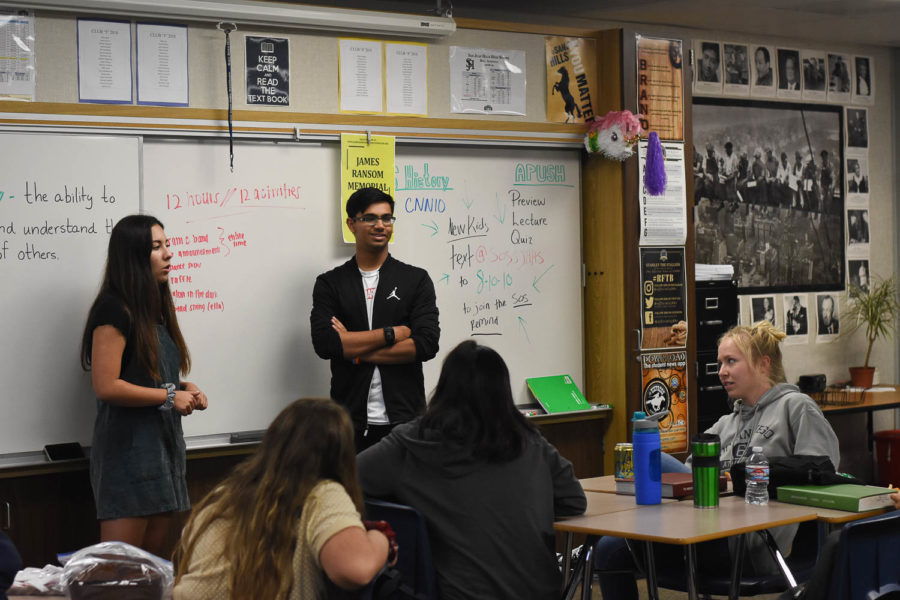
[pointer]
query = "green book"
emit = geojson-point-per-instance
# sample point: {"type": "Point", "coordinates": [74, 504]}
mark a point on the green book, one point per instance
{"type": "Point", "coordinates": [557, 393]}
{"type": "Point", "coordinates": [843, 496]}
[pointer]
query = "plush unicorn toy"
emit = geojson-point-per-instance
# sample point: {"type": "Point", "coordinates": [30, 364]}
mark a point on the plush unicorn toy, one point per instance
{"type": "Point", "coordinates": [615, 135]}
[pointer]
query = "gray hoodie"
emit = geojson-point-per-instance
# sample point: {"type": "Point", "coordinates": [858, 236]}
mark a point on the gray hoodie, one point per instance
{"type": "Point", "coordinates": [784, 422]}
{"type": "Point", "coordinates": [490, 524]}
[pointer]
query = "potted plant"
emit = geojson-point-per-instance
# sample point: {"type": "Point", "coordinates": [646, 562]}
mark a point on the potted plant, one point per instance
{"type": "Point", "coordinates": [876, 307]}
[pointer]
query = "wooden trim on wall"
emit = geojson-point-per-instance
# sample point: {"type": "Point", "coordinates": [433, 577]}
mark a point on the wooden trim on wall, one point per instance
{"type": "Point", "coordinates": [604, 259]}
{"type": "Point", "coordinates": [285, 124]}
{"type": "Point", "coordinates": [126, 112]}
{"type": "Point", "coordinates": [510, 27]}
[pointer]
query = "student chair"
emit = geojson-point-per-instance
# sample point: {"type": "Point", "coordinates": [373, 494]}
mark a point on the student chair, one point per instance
{"type": "Point", "coordinates": [799, 566]}
{"type": "Point", "coordinates": [857, 563]}
{"type": "Point", "coordinates": [418, 579]}
{"type": "Point", "coordinates": [867, 558]}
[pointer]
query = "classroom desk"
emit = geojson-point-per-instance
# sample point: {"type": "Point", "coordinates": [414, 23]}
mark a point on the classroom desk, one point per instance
{"type": "Point", "coordinates": [681, 524]}
{"type": "Point", "coordinates": [598, 504]}
{"type": "Point", "coordinates": [868, 402]}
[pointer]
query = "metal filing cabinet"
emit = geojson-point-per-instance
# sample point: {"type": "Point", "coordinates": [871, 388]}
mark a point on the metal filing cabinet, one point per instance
{"type": "Point", "coordinates": [717, 312]}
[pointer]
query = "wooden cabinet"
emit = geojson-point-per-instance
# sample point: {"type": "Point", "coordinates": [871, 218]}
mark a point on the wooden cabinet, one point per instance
{"type": "Point", "coordinates": [48, 513]}
{"type": "Point", "coordinates": [47, 510]}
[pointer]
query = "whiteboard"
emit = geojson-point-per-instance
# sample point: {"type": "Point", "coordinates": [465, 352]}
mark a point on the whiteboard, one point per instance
{"type": "Point", "coordinates": [504, 254]}
{"type": "Point", "coordinates": [59, 197]}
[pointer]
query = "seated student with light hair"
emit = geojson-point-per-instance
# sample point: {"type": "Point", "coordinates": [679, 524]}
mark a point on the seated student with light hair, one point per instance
{"type": "Point", "coordinates": [767, 412]}
{"type": "Point", "coordinates": [283, 517]}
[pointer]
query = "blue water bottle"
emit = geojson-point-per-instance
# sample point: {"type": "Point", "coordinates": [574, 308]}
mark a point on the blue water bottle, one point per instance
{"type": "Point", "coordinates": [647, 469]}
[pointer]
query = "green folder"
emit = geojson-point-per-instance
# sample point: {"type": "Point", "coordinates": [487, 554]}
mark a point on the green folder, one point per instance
{"type": "Point", "coordinates": [557, 393]}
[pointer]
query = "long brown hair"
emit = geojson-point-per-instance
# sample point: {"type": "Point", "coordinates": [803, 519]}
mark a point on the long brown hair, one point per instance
{"type": "Point", "coordinates": [129, 278]}
{"type": "Point", "coordinates": [263, 497]}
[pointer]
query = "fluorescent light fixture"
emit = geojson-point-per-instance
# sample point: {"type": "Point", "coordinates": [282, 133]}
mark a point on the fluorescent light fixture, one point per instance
{"type": "Point", "coordinates": [250, 13]}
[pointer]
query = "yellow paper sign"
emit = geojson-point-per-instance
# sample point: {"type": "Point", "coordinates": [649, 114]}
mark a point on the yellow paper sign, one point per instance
{"type": "Point", "coordinates": [366, 161]}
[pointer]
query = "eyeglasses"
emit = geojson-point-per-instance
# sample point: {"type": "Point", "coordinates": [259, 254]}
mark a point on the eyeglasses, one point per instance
{"type": "Point", "coordinates": [386, 220]}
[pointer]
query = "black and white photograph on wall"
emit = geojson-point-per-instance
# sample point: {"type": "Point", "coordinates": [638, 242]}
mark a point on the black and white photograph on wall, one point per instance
{"type": "Point", "coordinates": [838, 79]}
{"type": "Point", "coordinates": [769, 193]}
{"type": "Point", "coordinates": [858, 232]}
{"type": "Point", "coordinates": [858, 271]}
{"type": "Point", "coordinates": [863, 81]}
{"type": "Point", "coordinates": [827, 317]}
{"type": "Point", "coordinates": [857, 128]}
{"type": "Point", "coordinates": [762, 73]}
{"type": "Point", "coordinates": [815, 80]}
{"type": "Point", "coordinates": [762, 308]}
{"type": "Point", "coordinates": [737, 69]}
{"type": "Point", "coordinates": [789, 85]}
{"type": "Point", "coordinates": [708, 72]}
{"type": "Point", "coordinates": [796, 318]}
{"type": "Point", "coordinates": [857, 179]}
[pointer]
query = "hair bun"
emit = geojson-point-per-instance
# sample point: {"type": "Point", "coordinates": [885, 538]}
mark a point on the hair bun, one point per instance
{"type": "Point", "coordinates": [765, 328]}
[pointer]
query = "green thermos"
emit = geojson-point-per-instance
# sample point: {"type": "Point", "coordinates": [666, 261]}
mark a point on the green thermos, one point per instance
{"type": "Point", "coordinates": [705, 449]}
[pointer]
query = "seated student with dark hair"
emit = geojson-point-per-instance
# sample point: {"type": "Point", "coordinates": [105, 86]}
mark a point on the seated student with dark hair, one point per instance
{"type": "Point", "coordinates": [10, 563]}
{"type": "Point", "coordinates": [487, 483]}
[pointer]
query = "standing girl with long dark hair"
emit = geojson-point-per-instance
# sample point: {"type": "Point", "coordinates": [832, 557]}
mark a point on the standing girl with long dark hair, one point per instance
{"type": "Point", "coordinates": [136, 354]}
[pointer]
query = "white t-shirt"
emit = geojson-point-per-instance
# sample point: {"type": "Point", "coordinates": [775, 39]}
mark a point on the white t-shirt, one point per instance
{"type": "Point", "coordinates": [375, 409]}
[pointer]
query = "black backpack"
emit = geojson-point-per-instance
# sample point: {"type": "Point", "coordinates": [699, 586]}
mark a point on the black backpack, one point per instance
{"type": "Point", "coordinates": [799, 469]}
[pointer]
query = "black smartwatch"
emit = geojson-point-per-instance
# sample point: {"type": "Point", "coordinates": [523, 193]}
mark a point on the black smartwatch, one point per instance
{"type": "Point", "coordinates": [389, 336]}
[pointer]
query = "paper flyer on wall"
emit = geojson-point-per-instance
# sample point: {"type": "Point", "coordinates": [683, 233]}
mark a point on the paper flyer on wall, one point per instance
{"type": "Point", "coordinates": [17, 70]}
{"type": "Point", "coordinates": [360, 72]}
{"type": "Point", "coordinates": [664, 388]}
{"type": "Point", "coordinates": [571, 78]}
{"type": "Point", "coordinates": [663, 219]}
{"type": "Point", "coordinates": [660, 87]}
{"type": "Point", "coordinates": [162, 64]}
{"type": "Point", "coordinates": [104, 61]}
{"type": "Point", "coordinates": [487, 81]}
{"type": "Point", "coordinates": [406, 78]}
{"type": "Point", "coordinates": [366, 161]}
{"type": "Point", "coordinates": [663, 306]}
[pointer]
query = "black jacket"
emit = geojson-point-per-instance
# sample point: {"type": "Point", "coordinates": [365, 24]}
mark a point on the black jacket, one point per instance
{"type": "Point", "coordinates": [412, 302]}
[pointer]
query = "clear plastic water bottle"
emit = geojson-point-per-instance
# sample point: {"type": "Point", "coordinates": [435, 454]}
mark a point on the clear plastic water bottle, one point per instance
{"type": "Point", "coordinates": [757, 478]}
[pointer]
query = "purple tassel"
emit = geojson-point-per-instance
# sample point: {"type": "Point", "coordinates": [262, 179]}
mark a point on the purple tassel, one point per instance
{"type": "Point", "coordinates": [655, 167]}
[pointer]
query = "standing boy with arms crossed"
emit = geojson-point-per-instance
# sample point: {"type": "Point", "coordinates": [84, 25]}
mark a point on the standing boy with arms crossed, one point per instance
{"type": "Point", "coordinates": [376, 319]}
